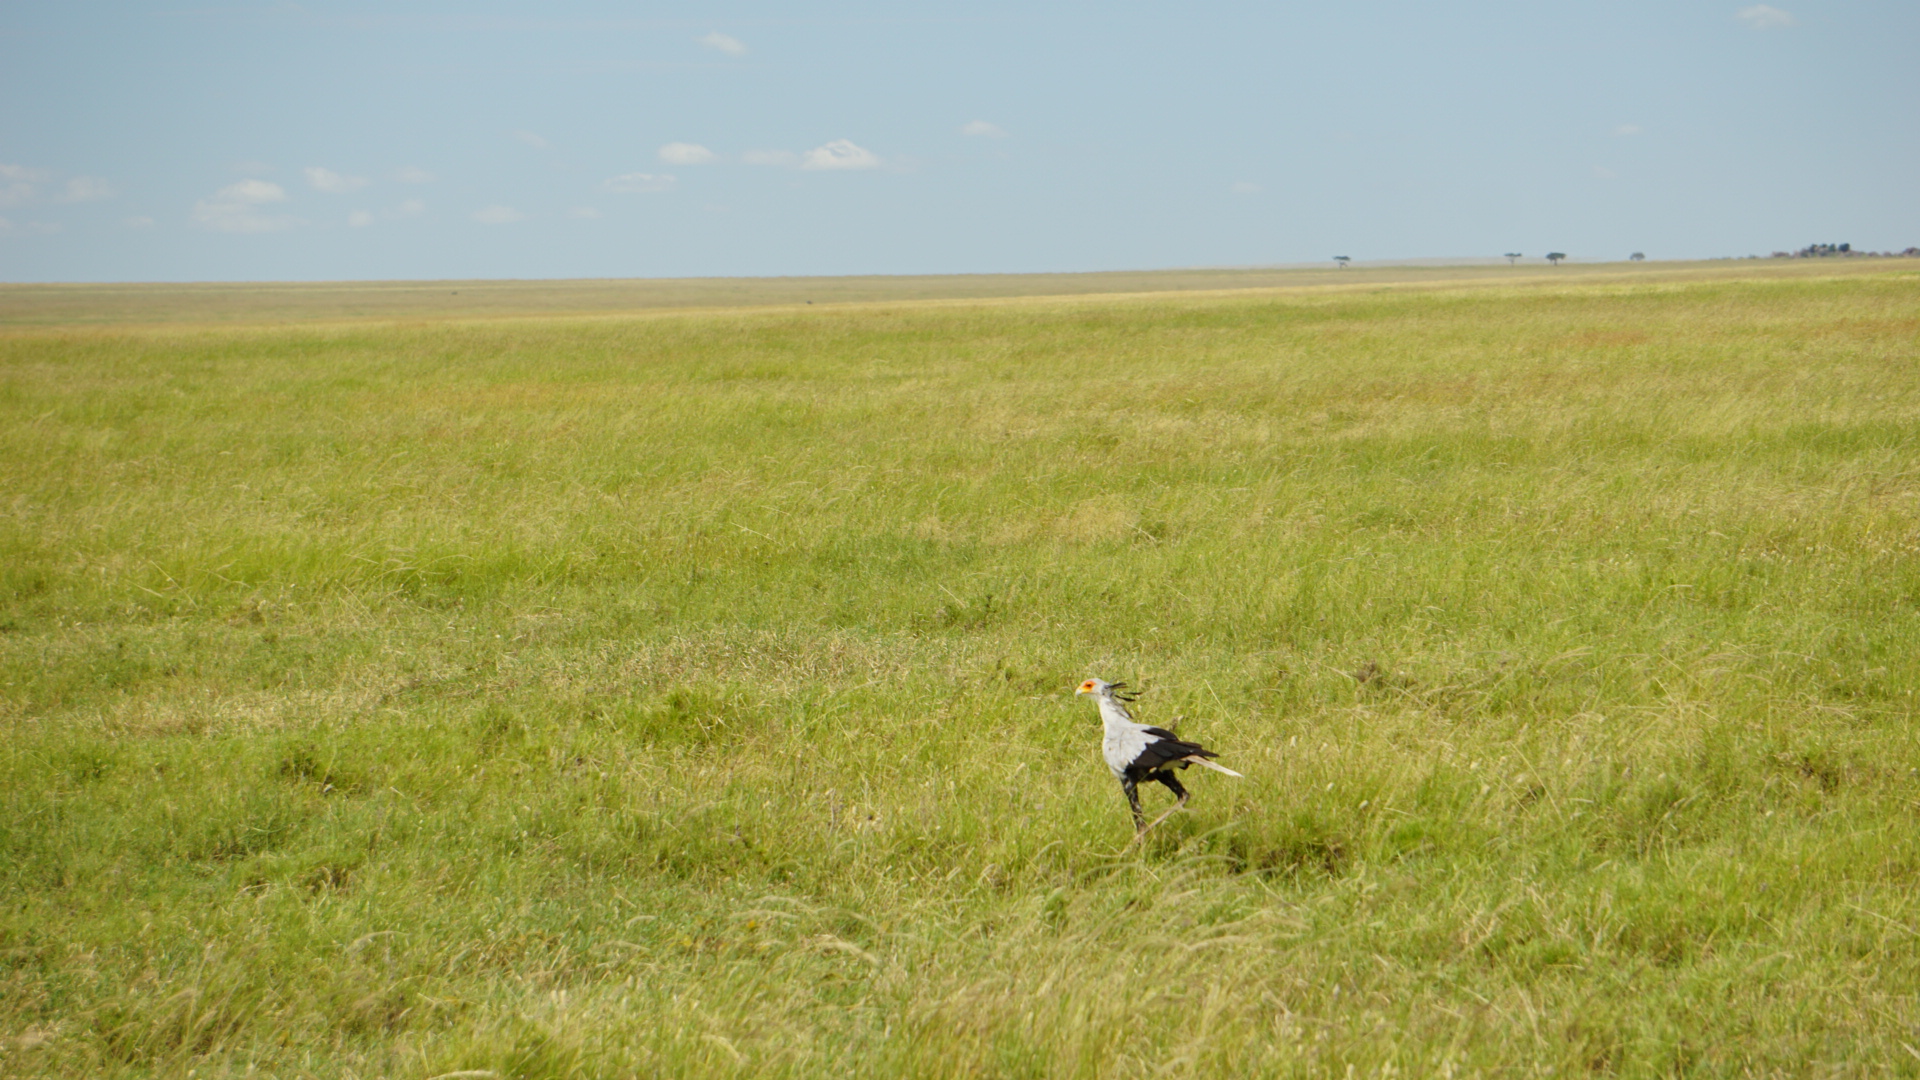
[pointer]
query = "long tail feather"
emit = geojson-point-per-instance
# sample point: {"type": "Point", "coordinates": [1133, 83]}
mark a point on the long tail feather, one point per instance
{"type": "Point", "coordinates": [1196, 759]}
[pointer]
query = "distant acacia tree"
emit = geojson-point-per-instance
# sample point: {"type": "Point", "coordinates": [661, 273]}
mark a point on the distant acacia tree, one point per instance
{"type": "Point", "coordinates": [1511, 256]}
{"type": "Point", "coordinates": [1638, 256]}
{"type": "Point", "coordinates": [1343, 260]}
{"type": "Point", "coordinates": [1554, 257]}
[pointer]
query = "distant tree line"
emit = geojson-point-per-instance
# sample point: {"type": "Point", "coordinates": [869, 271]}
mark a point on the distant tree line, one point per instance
{"type": "Point", "coordinates": [1843, 251]}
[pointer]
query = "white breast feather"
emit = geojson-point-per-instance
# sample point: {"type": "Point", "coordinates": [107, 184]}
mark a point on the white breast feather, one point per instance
{"type": "Point", "coordinates": [1125, 739]}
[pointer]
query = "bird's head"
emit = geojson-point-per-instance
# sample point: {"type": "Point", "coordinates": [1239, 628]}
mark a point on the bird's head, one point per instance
{"type": "Point", "coordinates": [1102, 688]}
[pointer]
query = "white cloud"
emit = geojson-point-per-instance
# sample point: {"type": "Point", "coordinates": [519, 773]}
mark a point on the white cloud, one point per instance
{"type": "Point", "coordinates": [19, 184]}
{"type": "Point", "coordinates": [839, 154]}
{"type": "Point", "coordinates": [1245, 187]}
{"type": "Point", "coordinates": [638, 183]}
{"type": "Point", "coordinates": [360, 219]}
{"type": "Point", "coordinates": [732, 46]}
{"type": "Point", "coordinates": [685, 153]}
{"type": "Point", "coordinates": [984, 129]}
{"type": "Point", "coordinates": [333, 183]}
{"type": "Point", "coordinates": [16, 183]}
{"type": "Point", "coordinates": [236, 208]}
{"type": "Point", "coordinates": [137, 222]}
{"type": "Point", "coordinates": [770, 157]}
{"type": "Point", "coordinates": [21, 172]}
{"type": "Point", "coordinates": [410, 208]}
{"type": "Point", "coordinates": [1625, 130]}
{"type": "Point", "coordinates": [414, 174]}
{"type": "Point", "coordinates": [86, 189]}
{"type": "Point", "coordinates": [1765, 17]}
{"type": "Point", "coordinates": [531, 139]}
{"type": "Point", "coordinates": [31, 228]}
{"type": "Point", "coordinates": [586, 213]}
{"type": "Point", "coordinates": [498, 215]}
{"type": "Point", "coordinates": [256, 192]}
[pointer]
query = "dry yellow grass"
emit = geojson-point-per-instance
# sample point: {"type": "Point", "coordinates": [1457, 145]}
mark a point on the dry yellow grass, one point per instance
{"type": "Point", "coordinates": [78, 305]}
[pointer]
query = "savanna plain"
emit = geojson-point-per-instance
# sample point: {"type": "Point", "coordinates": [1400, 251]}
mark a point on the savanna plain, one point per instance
{"type": "Point", "coordinates": [689, 692]}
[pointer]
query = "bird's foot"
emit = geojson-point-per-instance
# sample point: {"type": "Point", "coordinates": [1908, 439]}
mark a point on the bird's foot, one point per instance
{"type": "Point", "coordinates": [1143, 830]}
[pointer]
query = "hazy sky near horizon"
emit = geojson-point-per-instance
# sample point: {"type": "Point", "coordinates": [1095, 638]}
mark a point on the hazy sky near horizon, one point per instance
{"type": "Point", "coordinates": [323, 141]}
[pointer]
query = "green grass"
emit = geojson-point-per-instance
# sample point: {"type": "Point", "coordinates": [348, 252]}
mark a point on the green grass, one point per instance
{"type": "Point", "coordinates": [690, 693]}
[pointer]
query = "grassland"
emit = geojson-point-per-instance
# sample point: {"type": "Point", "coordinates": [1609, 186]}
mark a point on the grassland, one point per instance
{"type": "Point", "coordinates": [688, 693]}
{"type": "Point", "coordinates": [147, 304]}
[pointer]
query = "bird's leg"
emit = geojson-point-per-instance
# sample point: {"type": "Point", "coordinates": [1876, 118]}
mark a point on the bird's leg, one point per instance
{"type": "Point", "coordinates": [1173, 785]}
{"type": "Point", "coordinates": [1132, 788]}
{"type": "Point", "coordinates": [1166, 777]}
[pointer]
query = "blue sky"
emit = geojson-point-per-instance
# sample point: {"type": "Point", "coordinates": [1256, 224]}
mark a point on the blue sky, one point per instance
{"type": "Point", "coordinates": [327, 141]}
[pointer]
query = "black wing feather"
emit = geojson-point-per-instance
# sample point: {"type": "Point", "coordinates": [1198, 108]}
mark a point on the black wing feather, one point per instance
{"type": "Point", "coordinates": [1166, 751]}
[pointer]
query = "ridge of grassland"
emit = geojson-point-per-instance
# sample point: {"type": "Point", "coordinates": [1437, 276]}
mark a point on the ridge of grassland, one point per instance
{"type": "Point", "coordinates": [143, 304]}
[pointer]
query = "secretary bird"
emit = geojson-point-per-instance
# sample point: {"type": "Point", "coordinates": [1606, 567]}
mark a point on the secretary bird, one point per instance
{"type": "Point", "coordinates": [1136, 752]}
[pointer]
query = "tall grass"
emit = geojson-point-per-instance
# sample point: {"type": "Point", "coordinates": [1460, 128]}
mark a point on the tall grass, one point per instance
{"type": "Point", "coordinates": [691, 694]}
